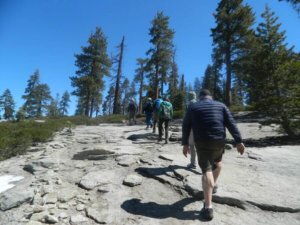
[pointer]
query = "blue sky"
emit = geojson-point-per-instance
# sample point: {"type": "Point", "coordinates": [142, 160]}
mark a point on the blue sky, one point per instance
{"type": "Point", "coordinates": [45, 35]}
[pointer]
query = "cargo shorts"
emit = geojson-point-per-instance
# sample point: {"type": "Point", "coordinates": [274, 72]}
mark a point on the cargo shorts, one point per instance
{"type": "Point", "coordinates": [209, 153]}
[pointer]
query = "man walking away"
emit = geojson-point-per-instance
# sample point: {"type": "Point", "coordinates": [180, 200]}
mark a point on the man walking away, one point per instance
{"type": "Point", "coordinates": [165, 115]}
{"type": "Point", "coordinates": [208, 120]}
{"type": "Point", "coordinates": [156, 106]}
{"type": "Point", "coordinates": [192, 100]}
{"type": "Point", "coordinates": [132, 109]}
{"type": "Point", "coordinates": [148, 110]}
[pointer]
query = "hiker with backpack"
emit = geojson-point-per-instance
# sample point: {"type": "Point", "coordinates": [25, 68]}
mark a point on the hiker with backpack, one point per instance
{"type": "Point", "coordinates": [132, 110]}
{"type": "Point", "coordinates": [165, 116]}
{"type": "Point", "coordinates": [156, 106]}
{"type": "Point", "coordinates": [148, 110]}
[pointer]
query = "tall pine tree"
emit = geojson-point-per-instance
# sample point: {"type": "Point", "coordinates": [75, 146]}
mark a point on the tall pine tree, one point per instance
{"type": "Point", "coordinates": [117, 98]}
{"type": "Point", "coordinates": [140, 79]}
{"type": "Point", "coordinates": [64, 103]}
{"type": "Point", "coordinates": [37, 97]}
{"type": "Point", "coordinates": [230, 36]}
{"type": "Point", "coordinates": [93, 64]}
{"type": "Point", "coordinates": [160, 53]}
{"type": "Point", "coordinates": [273, 74]}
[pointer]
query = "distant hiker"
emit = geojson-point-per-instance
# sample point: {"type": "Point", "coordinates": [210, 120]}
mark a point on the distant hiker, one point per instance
{"type": "Point", "coordinates": [156, 106]}
{"type": "Point", "coordinates": [148, 110]}
{"type": "Point", "coordinates": [132, 110]}
{"type": "Point", "coordinates": [192, 100]}
{"type": "Point", "coordinates": [165, 115]}
{"type": "Point", "coordinates": [208, 120]}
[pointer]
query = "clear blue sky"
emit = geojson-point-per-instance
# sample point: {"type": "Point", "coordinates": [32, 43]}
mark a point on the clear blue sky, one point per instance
{"type": "Point", "coordinates": [45, 35]}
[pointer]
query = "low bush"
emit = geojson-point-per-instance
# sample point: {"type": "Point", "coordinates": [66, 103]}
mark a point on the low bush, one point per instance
{"type": "Point", "coordinates": [178, 114]}
{"type": "Point", "coordinates": [16, 137]}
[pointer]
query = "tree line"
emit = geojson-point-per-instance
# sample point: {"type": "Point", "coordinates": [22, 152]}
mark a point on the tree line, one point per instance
{"type": "Point", "coordinates": [252, 67]}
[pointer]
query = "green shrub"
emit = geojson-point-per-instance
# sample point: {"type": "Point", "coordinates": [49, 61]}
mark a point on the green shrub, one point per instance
{"type": "Point", "coordinates": [178, 114]}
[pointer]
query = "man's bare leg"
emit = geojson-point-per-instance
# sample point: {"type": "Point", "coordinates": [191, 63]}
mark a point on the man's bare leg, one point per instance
{"type": "Point", "coordinates": [207, 185]}
{"type": "Point", "coordinates": [217, 171]}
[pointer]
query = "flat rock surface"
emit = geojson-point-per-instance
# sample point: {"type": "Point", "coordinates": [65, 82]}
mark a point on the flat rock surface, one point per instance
{"type": "Point", "coordinates": [79, 179]}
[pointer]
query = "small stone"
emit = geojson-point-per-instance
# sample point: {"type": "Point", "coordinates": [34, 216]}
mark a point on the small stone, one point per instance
{"type": "Point", "coordinates": [38, 208]}
{"type": "Point", "coordinates": [51, 219]}
{"type": "Point", "coordinates": [63, 215]}
{"type": "Point", "coordinates": [80, 207]}
{"type": "Point", "coordinates": [63, 206]}
{"type": "Point", "coordinates": [78, 219]}
{"type": "Point", "coordinates": [34, 223]}
{"type": "Point", "coordinates": [167, 157]}
{"type": "Point", "coordinates": [51, 198]}
{"type": "Point", "coordinates": [95, 215]}
{"type": "Point", "coordinates": [132, 180]}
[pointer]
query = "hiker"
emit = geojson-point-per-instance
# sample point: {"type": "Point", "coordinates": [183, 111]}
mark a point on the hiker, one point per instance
{"type": "Point", "coordinates": [156, 106]}
{"type": "Point", "coordinates": [148, 110]}
{"type": "Point", "coordinates": [192, 165]}
{"type": "Point", "coordinates": [132, 109]}
{"type": "Point", "coordinates": [208, 120]}
{"type": "Point", "coordinates": [165, 114]}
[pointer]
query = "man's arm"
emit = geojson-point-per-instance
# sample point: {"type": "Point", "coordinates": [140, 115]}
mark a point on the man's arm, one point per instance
{"type": "Point", "coordinates": [231, 126]}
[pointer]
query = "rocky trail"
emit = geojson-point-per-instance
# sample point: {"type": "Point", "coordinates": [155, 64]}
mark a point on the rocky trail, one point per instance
{"type": "Point", "coordinates": [118, 174]}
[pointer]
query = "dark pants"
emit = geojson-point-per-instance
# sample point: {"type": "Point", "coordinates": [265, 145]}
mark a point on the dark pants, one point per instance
{"type": "Point", "coordinates": [160, 128]}
{"type": "Point", "coordinates": [149, 119]}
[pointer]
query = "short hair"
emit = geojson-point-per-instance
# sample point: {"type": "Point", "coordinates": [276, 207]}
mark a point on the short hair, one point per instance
{"type": "Point", "coordinates": [204, 93]}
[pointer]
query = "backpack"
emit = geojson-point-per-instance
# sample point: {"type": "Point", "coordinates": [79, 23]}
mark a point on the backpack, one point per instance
{"type": "Point", "coordinates": [149, 107]}
{"type": "Point", "coordinates": [165, 111]}
{"type": "Point", "coordinates": [132, 107]}
{"type": "Point", "coordinates": [157, 103]}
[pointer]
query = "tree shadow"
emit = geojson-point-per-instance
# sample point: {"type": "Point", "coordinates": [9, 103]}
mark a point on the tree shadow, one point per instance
{"type": "Point", "coordinates": [146, 136]}
{"type": "Point", "coordinates": [155, 172]}
{"type": "Point", "coordinates": [162, 211]}
{"type": "Point", "coordinates": [269, 141]}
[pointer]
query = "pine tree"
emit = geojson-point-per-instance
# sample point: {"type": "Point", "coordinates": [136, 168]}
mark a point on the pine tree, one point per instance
{"type": "Point", "coordinates": [173, 80]}
{"type": "Point", "coordinates": [64, 103]}
{"type": "Point", "coordinates": [93, 64]}
{"type": "Point", "coordinates": [117, 98]}
{"type": "Point", "coordinates": [43, 98]}
{"type": "Point", "coordinates": [30, 105]}
{"type": "Point", "coordinates": [7, 104]}
{"type": "Point", "coordinates": [53, 108]}
{"type": "Point", "coordinates": [79, 107]}
{"type": "Point", "coordinates": [139, 78]}
{"type": "Point", "coordinates": [37, 97]}
{"type": "Point", "coordinates": [197, 85]}
{"type": "Point", "coordinates": [108, 104]}
{"type": "Point", "coordinates": [161, 52]}
{"type": "Point", "coordinates": [230, 36]}
{"type": "Point", "coordinates": [125, 90]}
{"type": "Point", "coordinates": [132, 91]}
{"type": "Point", "coordinates": [273, 73]}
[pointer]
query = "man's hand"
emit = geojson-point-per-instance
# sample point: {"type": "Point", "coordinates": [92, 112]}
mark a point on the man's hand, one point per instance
{"type": "Point", "coordinates": [240, 148]}
{"type": "Point", "coordinates": [186, 150]}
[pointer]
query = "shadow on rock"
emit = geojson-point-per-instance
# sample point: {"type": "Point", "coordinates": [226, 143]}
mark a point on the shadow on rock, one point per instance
{"type": "Point", "coordinates": [270, 141]}
{"type": "Point", "coordinates": [161, 211]}
{"type": "Point", "coordinates": [99, 154]}
{"type": "Point", "coordinates": [147, 136]}
{"type": "Point", "coordinates": [155, 172]}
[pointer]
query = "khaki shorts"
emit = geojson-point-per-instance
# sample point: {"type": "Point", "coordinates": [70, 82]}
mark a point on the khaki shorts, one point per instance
{"type": "Point", "coordinates": [209, 153]}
